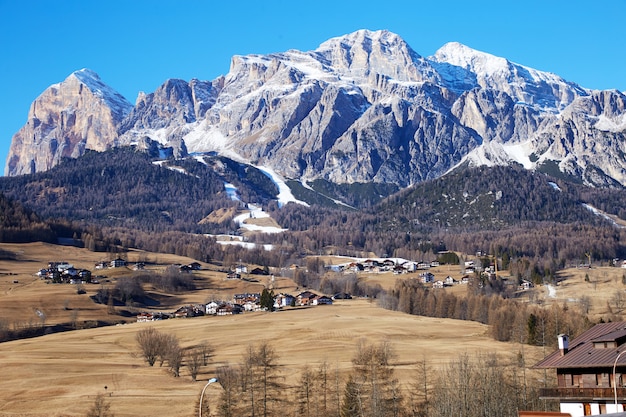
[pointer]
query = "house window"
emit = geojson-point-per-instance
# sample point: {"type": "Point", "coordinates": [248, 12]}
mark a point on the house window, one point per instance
{"type": "Point", "coordinates": [598, 380]}
{"type": "Point", "coordinates": [576, 380]}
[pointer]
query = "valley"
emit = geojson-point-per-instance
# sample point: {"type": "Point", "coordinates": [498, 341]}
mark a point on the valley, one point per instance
{"type": "Point", "coordinates": [60, 374]}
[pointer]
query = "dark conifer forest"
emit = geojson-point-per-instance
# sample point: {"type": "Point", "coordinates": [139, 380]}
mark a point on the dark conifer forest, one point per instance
{"type": "Point", "coordinates": [123, 198]}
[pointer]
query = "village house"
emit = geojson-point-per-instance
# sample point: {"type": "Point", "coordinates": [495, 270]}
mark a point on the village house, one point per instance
{"type": "Point", "coordinates": [525, 285]}
{"type": "Point", "coordinates": [438, 284]}
{"type": "Point", "coordinates": [427, 277]}
{"type": "Point", "coordinates": [211, 308]}
{"type": "Point", "coordinates": [399, 269]}
{"type": "Point", "coordinates": [102, 265]}
{"type": "Point", "coordinates": [190, 311]}
{"type": "Point", "coordinates": [228, 309]}
{"type": "Point", "coordinates": [322, 300]}
{"type": "Point", "coordinates": [259, 271]}
{"type": "Point", "coordinates": [284, 300]}
{"type": "Point", "coordinates": [342, 296]}
{"type": "Point", "coordinates": [144, 317]}
{"type": "Point", "coordinates": [305, 298]}
{"type": "Point", "coordinates": [423, 265]}
{"type": "Point", "coordinates": [590, 371]}
{"type": "Point", "coordinates": [410, 266]}
{"type": "Point", "coordinates": [449, 281]}
{"type": "Point", "coordinates": [359, 267]}
{"type": "Point", "coordinates": [117, 263]}
{"type": "Point", "coordinates": [247, 297]}
{"type": "Point", "coordinates": [251, 306]}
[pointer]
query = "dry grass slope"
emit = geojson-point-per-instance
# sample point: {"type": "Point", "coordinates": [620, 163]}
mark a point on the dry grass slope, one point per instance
{"type": "Point", "coordinates": [60, 374]}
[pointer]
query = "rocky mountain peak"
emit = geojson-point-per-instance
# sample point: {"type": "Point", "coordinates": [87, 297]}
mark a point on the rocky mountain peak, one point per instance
{"type": "Point", "coordinates": [363, 107]}
{"type": "Point", "coordinates": [365, 52]}
{"type": "Point", "coordinates": [528, 86]}
{"type": "Point", "coordinates": [77, 114]}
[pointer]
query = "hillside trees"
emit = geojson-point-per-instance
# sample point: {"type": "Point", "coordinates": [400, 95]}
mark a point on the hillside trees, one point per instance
{"type": "Point", "coordinates": [155, 345]}
{"type": "Point", "coordinates": [100, 408]}
{"type": "Point", "coordinates": [19, 224]}
{"type": "Point", "coordinates": [230, 378]}
{"type": "Point", "coordinates": [480, 386]}
{"type": "Point", "coordinates": [469, 386]}
{"type": "Point", "coordinates": [371, 389]}
{"type": "Point", "coordinates": [150, 343]}
{"type": "Point", "coordinates": [509, 320]}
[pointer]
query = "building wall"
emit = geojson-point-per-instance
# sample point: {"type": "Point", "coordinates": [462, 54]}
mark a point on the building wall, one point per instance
{"type": "Point", "coordinates": [574, 409]}
{"type": "Point", "coordinates": [578, 409]}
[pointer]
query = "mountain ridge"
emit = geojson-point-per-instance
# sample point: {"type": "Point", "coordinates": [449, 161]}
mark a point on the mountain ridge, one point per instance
{"type": "Point", "coordinates": [365, 107]}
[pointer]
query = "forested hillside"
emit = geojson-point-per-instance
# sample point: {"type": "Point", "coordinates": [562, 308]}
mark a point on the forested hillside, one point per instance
{"type": "Point", "coordinates": [19, 224]}
{"type": "Point", "coordinates": [122, 198]}
{"type": "Point", "coordinates": [124, 188]}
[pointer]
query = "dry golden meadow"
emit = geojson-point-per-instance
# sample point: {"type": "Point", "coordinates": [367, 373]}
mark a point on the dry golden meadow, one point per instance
{"type": "Point", "coordinates": [60, 374]}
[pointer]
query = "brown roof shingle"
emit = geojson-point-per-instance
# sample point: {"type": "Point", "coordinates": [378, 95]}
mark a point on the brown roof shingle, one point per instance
{"type": "Point", "coordinates": [582, 354]}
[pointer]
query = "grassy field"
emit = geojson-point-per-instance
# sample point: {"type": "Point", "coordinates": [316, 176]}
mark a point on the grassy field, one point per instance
{"type": "Point", "coordinates": [60, 374]}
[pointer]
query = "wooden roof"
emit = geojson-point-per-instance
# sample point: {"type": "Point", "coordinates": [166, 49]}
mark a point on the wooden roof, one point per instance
{"type": "Point", "coordinates": [583, 354]}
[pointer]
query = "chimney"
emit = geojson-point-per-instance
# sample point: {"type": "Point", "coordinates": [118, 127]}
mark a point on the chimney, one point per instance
{"type": "Point", "coordinates": [563, 343]}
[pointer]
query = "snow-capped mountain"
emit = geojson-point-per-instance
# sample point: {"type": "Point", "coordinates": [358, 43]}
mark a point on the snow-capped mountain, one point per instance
{"type": "Point", "coordinates": [363, 107]}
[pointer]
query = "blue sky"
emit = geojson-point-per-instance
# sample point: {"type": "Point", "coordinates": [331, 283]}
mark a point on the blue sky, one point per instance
{"type": "Point", "coordinates": [136, 45]}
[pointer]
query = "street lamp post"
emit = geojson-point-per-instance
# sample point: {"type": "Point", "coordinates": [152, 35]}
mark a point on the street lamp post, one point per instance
{"type": "Point", "coordinates": [615, 379]}
{"type": "Point", "coordinates": [212, 380]}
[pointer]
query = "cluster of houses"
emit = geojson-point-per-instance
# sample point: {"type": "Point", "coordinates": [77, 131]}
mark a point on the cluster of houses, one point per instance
{"type": "Point", "coordinates": [138, 266]}
{"type": "Point", "coordinates": [63, 272]}
{"type": "Point", "coordinates": [385, 265]}
{"type": "Point", "coordinates": [245, 302]}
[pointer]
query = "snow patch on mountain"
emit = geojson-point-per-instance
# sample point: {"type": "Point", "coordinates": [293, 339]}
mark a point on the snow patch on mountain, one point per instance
{"type": "Point", "coordinates": [465, 57]}
{"type": "Point", "coordinates": [204, 138]}
{"type": "Point", "coordinates": [602, 214]}
{"type": "Point", "coordinates": [255, 212]}
{"type": "Point", "coordinates": [554, 186]}
{"type": "Point", "coordinates": [488, 65]}
{"type": "Point", "coordinates": [231, 191]}
{"type": "Point", "coordinates": [115, 100]}
{"type": "Point", "coordinates": [498, 154]}
{"type": "Point", "coordinates": [520, 153]}
{"type": "Point", "coordinates": [284, 192]}
{"type": "Point", "coordinates": [607, 124]}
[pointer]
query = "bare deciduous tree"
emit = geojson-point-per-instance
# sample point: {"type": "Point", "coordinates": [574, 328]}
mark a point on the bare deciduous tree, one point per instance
{"type": "Point", "coordinates": [260, 379]}
{"type": "Point", "coordinates": [230, 380]}
{"type": "Point", "coordinates": [100, 408]}
{"type": "Point", "coordinates": [150, 342]}
{"type": "Point", "coordinates": [194, 359]}
{"type": "Point", "coordinates": [618, 300]}
{"type": "Point", "coordinates": [373, 382]}
{"type": "Point", "coordinates": [173, 353]}
{"type": "Point", "coordinates": [305, 393]}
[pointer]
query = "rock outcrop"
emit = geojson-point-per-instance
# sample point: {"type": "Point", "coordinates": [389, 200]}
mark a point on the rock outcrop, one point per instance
{"type": "Point", "coordinates": [66, 119]}
{"type": "Point", "coordinates": [360, 108]}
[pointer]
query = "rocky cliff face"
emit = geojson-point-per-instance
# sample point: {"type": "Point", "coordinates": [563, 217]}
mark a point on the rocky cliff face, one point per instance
{"type": "Point", "coordinates": [361, 107]}
{"type": "Point", "coordinates": [77, 114]}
